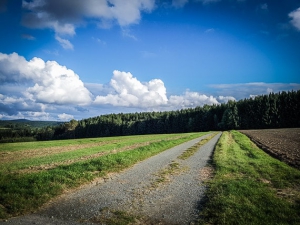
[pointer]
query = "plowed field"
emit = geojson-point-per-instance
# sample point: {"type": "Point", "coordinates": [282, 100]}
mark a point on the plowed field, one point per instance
{"type": "Point", "coordinates": [283, 144]}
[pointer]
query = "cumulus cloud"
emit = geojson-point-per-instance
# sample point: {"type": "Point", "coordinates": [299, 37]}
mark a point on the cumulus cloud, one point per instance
{"type": "Point", "coordinates": [295, 16]}
{"type": "Point", "coordinates": [53, 83]}
{"type": "Point", "coordinates": [225, 99]}
{"type": "Point", "coordinates": [38, 89]}
{"type": "Point", "coordinates": [128, 91]}
{"type": "Point", "coordinates": [65, 117]}
{"type": "Point", "coordinates": [63, 16]}
{"type": "Point", "coordinates": [14, 107]}
{"type": "Point", "coordinates": [191, 99]}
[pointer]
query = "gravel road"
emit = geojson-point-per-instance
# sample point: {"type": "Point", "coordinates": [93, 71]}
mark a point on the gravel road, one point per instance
{"type": "Point", "coordinates": [138, 191]}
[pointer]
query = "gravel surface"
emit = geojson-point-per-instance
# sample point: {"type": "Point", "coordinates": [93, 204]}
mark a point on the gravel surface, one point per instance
{"type": "Point", "coordinates": [136, 191]}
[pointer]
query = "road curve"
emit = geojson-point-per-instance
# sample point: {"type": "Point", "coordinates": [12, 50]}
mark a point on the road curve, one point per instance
{"type": "Point", "coordinates": [136, 192]}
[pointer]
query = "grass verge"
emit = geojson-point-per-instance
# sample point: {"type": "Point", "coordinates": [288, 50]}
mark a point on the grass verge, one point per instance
{"type": "Point", "coordinates": [250, 187]}
{"type": "Point", "coordinates": [21, 193]}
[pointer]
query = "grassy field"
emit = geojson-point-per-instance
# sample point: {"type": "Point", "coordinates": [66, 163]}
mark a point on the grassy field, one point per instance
{"type": "Point", "coordinates": [250, 187]}
{"type": "Point", "coordinates": [32, 173]}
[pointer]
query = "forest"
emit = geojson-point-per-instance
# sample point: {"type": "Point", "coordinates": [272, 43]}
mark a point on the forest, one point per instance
{"type": "Point", "coordinates": [275, 110]}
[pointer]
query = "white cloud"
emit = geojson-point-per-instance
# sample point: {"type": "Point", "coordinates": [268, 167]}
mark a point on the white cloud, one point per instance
{"type": "Point", "coordinates": [38, 115]}
{"type": "Point", "coordinates": [245, 90]}
{"type": "Point", "coordinates": [8, 100]}
{"type": "Point", "coordinates": [66, 44]}
{"type": "Point", "coordinates": [65, 117]}
{"type": "Point", "coordinates": [53, 83]}
{"type": "Point", "coordinates": [130, 92]}
{"type": "Point", "coordinates": [13, 107]}
{"type": "Point", "coordinates": [63, 29]}
{"type": "Point", "coordinates": [38, 89]}
{"type": "Point", "coordinates": [295, 16]}
{"type": "Point", "coordinates": [225, 99]}
{"type": "Point", "coordinates": [63, 16]}
{"type": "Point", "coordinates": [191, 99]}
{"type": "Point", "coordinates": [129, 12]}
{"type": "Point", "coordinates": [127, 91]}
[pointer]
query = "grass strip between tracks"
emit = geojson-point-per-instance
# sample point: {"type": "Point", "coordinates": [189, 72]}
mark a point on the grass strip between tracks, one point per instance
{"type": "Point", "coordinates": [249, 186]}
{"type": "Point", "coordinates": [193, 149]}
{"type": "Point", "coordinates": [21, 193]}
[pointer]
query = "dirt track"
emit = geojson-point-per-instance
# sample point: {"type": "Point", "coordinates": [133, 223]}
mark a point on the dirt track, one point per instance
{"type": "Point", "coordinates": [283, 144]}
{"type": "Point", "coordinates": [145, 191]}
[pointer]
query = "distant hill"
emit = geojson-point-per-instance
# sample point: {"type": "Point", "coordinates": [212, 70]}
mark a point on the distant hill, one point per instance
{"type": "Point", "coordinates": [21, 123]}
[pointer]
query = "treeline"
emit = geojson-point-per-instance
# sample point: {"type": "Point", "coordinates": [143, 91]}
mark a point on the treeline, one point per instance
{"type": "Point", "coordinates": [280, 110]}
{"type": "Point", "coordinates": [26, 130]}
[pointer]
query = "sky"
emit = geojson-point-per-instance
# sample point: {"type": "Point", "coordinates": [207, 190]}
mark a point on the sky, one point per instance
{"type": "Point", "coordinates": [74, 59]}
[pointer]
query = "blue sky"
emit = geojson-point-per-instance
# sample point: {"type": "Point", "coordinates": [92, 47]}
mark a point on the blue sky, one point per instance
{"type": "Point", "coordinates": [73, 59]}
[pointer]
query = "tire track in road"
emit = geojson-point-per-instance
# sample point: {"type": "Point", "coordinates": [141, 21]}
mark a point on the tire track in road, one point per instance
{"type": "Point", "coordinates": [132, 192]}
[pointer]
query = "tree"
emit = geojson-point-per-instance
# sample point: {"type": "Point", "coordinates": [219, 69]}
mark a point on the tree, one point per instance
{"type": "Point", "coordinates": [230, 119]}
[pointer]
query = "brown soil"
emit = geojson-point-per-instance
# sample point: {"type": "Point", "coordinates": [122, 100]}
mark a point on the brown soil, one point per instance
{"type": "Point", "coordinates": [283, 144]}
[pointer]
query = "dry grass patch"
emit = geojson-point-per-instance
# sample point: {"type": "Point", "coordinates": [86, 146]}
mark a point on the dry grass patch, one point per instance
{"type": "Point", "coordinates": [164, 175]}
{"type": "Point", "coordinates": [206, 173]}
{"type": "Point", "coordinates": [192, 150]}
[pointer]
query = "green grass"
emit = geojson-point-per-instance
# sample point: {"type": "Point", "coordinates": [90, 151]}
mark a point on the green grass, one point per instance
{"type": "Point", "coordinates": [11, 147]}
{"type": "Point", "coordinates": [24, 192]}
{"type": "Point", "coordinates": [250, 187]}
{"type": "Point", "coordinates": [104, 145]}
